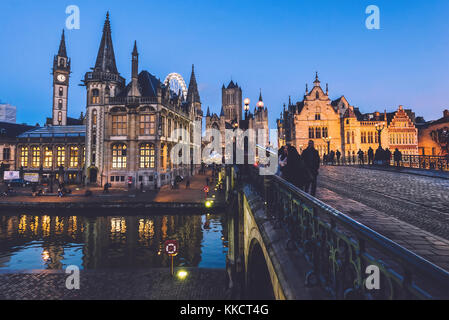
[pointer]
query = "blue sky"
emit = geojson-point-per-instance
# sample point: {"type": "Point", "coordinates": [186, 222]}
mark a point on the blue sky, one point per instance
{"type": "Point", "coordinates": [273, 45]}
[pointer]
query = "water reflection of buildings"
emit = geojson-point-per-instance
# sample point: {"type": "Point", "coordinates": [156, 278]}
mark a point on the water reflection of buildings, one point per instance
{"type": "Point", "coordinates": [107, 242]}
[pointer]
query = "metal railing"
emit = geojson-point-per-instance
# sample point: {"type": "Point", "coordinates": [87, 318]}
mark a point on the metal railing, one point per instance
{"type": "Point", "coordinates": [438, 163]}
{"type": "Point", "coordinates": [340, 249]}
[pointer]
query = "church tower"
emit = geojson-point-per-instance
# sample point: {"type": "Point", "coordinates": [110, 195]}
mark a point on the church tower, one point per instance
{"type": "Point", "coordinates": [232, 102]}
{"type": "Point", "coordinates": [102, 83]}
{"type": "Point", "coordinates": [193, 97]}
{"type": "Point", "coordinates": [61, 74]}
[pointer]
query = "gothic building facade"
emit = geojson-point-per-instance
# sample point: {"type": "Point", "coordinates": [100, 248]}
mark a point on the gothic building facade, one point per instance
{"type": "Point", "coordinates": [231, 115]}
{"type": "Point", "coordinates": [127, 133]}
{"type": "Point", "coordinates": [337, 125]}
{"type": "Point", "coordinates": [129, 126]}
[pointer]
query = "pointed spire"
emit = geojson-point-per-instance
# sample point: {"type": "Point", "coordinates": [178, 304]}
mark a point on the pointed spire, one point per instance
{"type": "Point", "coordinates": [192, 93]}
{"type": "Point", "coordinates": [106, 58]}
{"type": "Point", "coordinates": [208, 112]}
{"type": "Point", "coordinates": [307, 88]}
{"type": "Point", "coordinates": [135, 53]}
{"type": "Point", "coordinates": [327, 88]}
{"type": "Point", "coordinates": [62, 52]}
{"type": "Point", "coordinates": [317, 81]}
{"type": "Point", "coordinates": [260, 96]}
{"type": "Point", "coordinates": [222, 112]}
{"type": "Point", "coordinates": [289, 101]}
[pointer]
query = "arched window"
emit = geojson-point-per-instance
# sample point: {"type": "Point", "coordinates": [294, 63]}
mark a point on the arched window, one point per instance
{"type": "Point", "coordinates": [59, 117]}
{"type": "Point", "coordinates": [61, 91]}
{"type": "Point", "coordinates": [95, 96]}
{"type": "Point", "coordinates": [24, 157]}
{"type": "Point", "coordinates": [60, 156]}
{"type": "Point", "coordinates": [147, 156]}
{"type": "Point", "coordinates": [94, 117]}
{"type": "Point", "coordinates": [119, 156]}
{"type": "Point", "coordinates": [36, 157]}
{"type": "Point", "coordinates": [59, 104]}
{"type": "Point", "coordinates": [317, 133]}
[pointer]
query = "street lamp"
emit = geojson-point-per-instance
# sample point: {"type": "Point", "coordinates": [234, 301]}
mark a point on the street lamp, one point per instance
{"type": "Point", "coordinates": [246, 103]}
{"type": "Point", "coordinates": [379, 128]}
{"type": "Point", "coordinates": [328, 141]}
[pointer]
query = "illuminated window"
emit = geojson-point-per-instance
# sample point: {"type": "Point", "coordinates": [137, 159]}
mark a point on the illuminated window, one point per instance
{"type": "Point", "coordinates": [94, 118]}
{"type": "Point", "coordinates": [35, 157]}
{"type": "Point", "coordinates": [119, 156]}
{"type": "Point", "coordinates": [163, 126]}
{"type": "Point", "coordinates": [74, 157]}
{"type": "Point", "coordinates": [95, 96]}
{"type": "Point", "coordinates": [318, 133]}
{"type": "Point", "coordinates": [60, 156]}
{"type": "Point", "coordinates": [48, 157]}
{"type": "Point", "coordinates": [147, 155]}
{"type": "Point", "coordinates": [147, 124]}
{"type": "Point", "coordinates": [24, 157]}
{"type": "Point", "coordinates": [119, 125]}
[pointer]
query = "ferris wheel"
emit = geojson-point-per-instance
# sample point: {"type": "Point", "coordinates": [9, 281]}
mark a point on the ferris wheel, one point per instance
{"type": "Point", "coordinates": [177, 83]}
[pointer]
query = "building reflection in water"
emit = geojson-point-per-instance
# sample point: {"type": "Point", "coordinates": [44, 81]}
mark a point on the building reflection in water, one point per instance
{"type": "Point", "coordinates": [108, 242]}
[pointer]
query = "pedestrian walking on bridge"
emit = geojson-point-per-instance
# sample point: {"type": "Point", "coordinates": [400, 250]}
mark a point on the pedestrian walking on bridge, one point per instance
{"type": "Point", "coordinates": [311, 159]}
{"type": "Point", "coordinates": [361, 157]}
{"type": "Point", "coordinates": [370, 156]}
{"type": "Point", "coordinates": [397, 157]}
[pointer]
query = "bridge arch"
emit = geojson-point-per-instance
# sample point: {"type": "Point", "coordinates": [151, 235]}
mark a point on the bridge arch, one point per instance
{"type": "Point", "coordinates": [259, 284]}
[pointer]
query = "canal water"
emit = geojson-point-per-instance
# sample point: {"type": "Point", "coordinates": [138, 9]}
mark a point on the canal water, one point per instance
{"type": "Point", "coordinates": [89, 241]}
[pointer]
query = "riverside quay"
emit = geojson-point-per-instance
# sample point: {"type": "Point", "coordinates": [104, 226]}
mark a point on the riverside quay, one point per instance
{"type": "Point", "coordinates": [215, 160]}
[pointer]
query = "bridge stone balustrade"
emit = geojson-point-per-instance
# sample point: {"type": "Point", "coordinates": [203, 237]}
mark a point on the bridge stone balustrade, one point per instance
{"type": "Point", "coordinates": [293, 246]}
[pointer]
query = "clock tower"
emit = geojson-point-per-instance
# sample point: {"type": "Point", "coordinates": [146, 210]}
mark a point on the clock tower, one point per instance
{"type": "Point", "coordinates": [61, 73]}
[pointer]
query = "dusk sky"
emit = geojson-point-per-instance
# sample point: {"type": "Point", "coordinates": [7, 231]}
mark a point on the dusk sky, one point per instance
{"type": "Point", "coordinates": [273, 45]}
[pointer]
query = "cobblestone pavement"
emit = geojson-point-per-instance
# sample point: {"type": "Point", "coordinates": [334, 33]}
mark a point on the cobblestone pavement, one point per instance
{"type": "Point", "coordinates": [410, 210]}
{"type": "Point", "coordinates": [154, 284]}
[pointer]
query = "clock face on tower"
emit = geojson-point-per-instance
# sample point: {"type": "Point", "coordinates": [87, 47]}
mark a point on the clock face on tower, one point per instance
{"type": "Point", "coordinates": [61, 77]}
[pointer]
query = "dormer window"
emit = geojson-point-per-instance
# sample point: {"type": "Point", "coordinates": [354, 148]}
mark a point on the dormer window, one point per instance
{"type": "Point", "coordinates": [317, 95]}
{"type": "Point", "coordinates": [317, 116]}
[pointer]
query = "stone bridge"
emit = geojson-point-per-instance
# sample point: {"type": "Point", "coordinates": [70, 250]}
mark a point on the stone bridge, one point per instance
{"type": "Point", "coordinates": [289, 245]}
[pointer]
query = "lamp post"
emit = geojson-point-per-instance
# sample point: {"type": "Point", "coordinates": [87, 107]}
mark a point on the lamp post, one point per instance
{"type": "Point", "coordinates": [379, 128]}
{"type": "Point", "coordinates": [328, 141]}
{"type": "Point", "coordinates": [246, 107]}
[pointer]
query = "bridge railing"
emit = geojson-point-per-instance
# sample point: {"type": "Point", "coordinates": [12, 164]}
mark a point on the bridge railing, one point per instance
{"type": "Point", "coordinates": [341, 251]}
{"type": "Point", "coordinates": [440, 163]}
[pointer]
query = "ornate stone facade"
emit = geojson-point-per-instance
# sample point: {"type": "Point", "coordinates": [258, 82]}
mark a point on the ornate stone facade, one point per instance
{"type": "Point", "coordinates": [343, 126]}
{"type": "Point", "coordinates": [130, 127]}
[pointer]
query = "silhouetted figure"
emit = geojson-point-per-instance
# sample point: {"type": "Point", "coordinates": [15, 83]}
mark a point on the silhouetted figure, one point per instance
{"type": "Point", "coordinates": [370, 156]}
{"type": "Point", "coordinates": [282, 155]}
{"type": "Point", "coordinates": [397, 157]}
{"type": "Point", "coordinates": [379, 157]}
{"type": "Point", "coordinates": [338, 154]}
{"type": "Point", "coordinates": [332, 157]}
{"type": "Point", "coordinates": [106, 187]}
{"type": "Point", "coordinates": [187, 183]}
{"type": "Point", "coordinates": [295, 170]}
{"type": "Point", "coordinates": [361, 157]}
{"type": "Point", "coordinates": [325, 157]}
{"type": "Point", "coordinates": [141, 187]}
{"type": "Point", "coordinates": [311, 160]}
{"type": "Point", "coordinates": [387, 157]}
